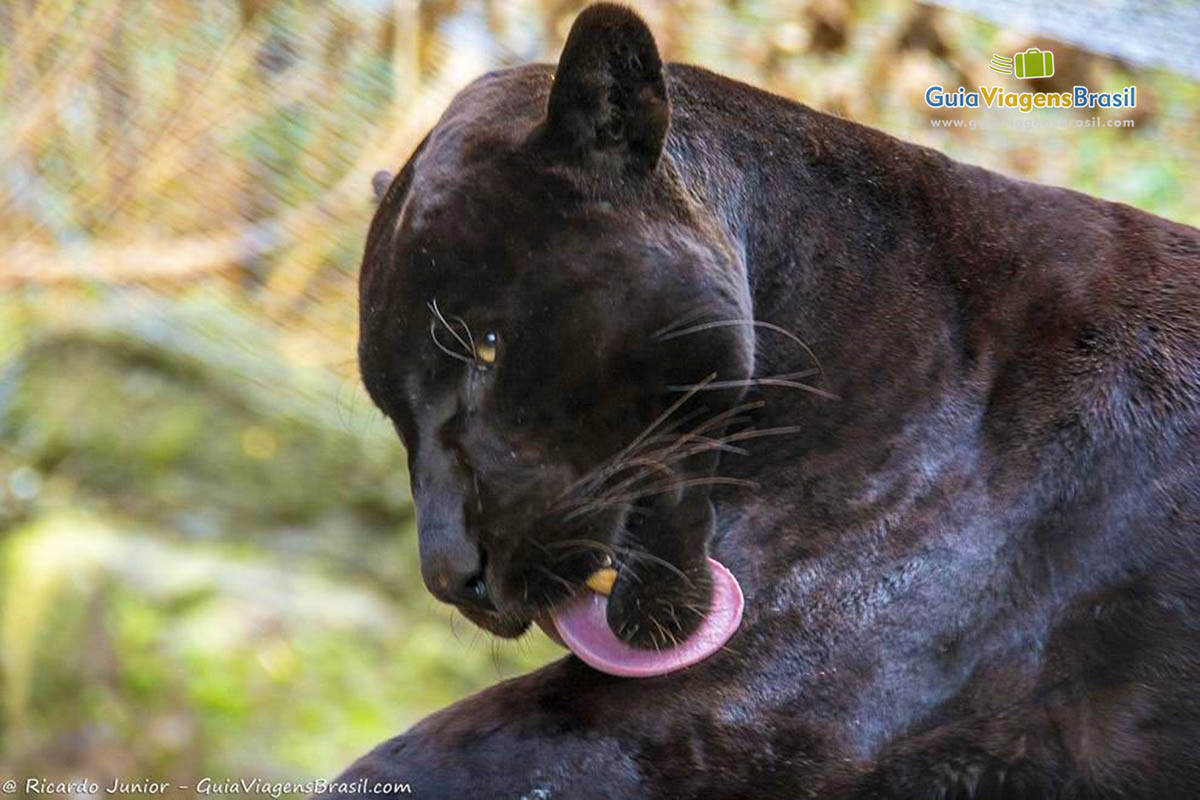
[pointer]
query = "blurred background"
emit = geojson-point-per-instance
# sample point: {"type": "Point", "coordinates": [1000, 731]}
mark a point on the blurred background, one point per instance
{"type": "Point", "coordinates": [207, 561]}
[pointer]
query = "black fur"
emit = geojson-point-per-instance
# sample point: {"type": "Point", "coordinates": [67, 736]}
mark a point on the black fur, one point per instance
{"type": "Point", "coordinates": [969, 526]}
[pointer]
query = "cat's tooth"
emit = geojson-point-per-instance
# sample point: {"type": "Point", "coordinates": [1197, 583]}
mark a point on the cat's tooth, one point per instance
{"type": "Point", "coordinates": [601, 581]}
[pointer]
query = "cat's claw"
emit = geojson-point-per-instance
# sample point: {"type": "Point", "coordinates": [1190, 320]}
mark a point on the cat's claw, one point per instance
{"type": "Point", "coordinates": [656, 607]}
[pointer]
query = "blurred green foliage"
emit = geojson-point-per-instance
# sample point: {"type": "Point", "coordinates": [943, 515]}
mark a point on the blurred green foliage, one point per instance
{"type": "Point", "coordinates": [207, 561]}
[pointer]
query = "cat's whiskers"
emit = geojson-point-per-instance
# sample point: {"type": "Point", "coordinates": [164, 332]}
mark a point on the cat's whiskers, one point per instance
{"type": "Point", "coordinates": [659, 489]}
{"type": "Point", "coordinates": [784, 381]}
{"type": "Point", "coordinates": [637, 440]}
{"type": "Point", "coordinates": [666, 457]}
{"type": "Point", "coordinates": [570, 587]}
{"type": "Point", "coordinates": [648, 465]}
{"type": "Point", "coordinates": [433, 335]}
{"type": "Point", "coordinates": [583, 493]}
{"type": "Point", "coordinates": [468, 344]}
{"type": "Point", "coordinates": [674, 332]}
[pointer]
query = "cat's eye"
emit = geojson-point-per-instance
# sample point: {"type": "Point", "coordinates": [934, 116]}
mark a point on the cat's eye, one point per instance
{"type": "Point", "coordinates": [485, 348]}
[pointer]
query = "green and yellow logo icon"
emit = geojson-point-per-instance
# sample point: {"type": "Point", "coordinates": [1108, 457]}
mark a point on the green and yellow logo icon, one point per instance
{"type": "Point", "coordinates": [1033, 63]}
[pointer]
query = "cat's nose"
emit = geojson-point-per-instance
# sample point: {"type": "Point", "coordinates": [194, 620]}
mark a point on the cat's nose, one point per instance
{"type": "Point", "coordinates": [452, 568]}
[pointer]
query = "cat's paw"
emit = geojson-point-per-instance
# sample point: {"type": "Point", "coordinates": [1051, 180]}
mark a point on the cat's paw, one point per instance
{"type": "Point", "coordinates": [973, 779]}
{"type": "Point", "coordinates": [656, 606]}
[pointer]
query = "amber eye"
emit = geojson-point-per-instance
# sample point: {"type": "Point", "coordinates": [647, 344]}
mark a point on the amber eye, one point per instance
{"type": "Point", "coordinates": [485, 349]}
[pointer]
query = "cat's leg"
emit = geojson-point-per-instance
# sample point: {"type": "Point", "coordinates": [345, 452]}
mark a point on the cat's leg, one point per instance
{"type": "Point", "coordinates": [976, 759]}
{"type": "Point", "coordinates": [664, 586]}
{"type": "Point", "coordinates": [548, 735]}
{"type": "Point", "coordinates": [664, 583]}
{"type": "Point", "coordinates": [1122, 740]}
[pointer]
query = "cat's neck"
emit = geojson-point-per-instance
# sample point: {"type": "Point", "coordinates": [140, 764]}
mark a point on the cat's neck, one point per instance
{"type": "Point", "coordinates": [848, 240]}
{"type": "Point", "coordinates": [833, 220]}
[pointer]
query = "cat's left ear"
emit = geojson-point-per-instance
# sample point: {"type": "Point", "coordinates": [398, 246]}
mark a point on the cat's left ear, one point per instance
{"type": "Point", "coordinates": [609, 98]}
{"type": "Point", "coordinates": [380, 182]}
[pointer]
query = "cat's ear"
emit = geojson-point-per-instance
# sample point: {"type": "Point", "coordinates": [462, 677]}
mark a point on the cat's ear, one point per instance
{"type": "Point", "coordinates": [609, 98]}
{"type": "Point", "coordinates": [380, 182]}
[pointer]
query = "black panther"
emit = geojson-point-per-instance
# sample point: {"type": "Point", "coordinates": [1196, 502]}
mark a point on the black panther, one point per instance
{"type": "Point", "coordinates": [943, 426]}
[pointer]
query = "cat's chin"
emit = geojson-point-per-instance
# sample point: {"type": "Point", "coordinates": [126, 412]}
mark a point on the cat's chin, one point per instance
{"type": "Point", "coordinates": [545, 621]}
{"type": "Point", "coordinates": [506, 626]}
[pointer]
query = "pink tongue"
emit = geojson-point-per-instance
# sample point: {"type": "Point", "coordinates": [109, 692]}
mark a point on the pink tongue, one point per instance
{"type": "Point", "coordinates": [583, 627]}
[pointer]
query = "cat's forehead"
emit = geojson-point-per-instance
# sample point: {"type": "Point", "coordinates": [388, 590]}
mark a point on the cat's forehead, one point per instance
{"type": "Point", "coordinates": [488, 213]}
{"type": "Point", "coordinates": [475, 176]}
{"type": "Point", "coordinates": [488, 119]}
